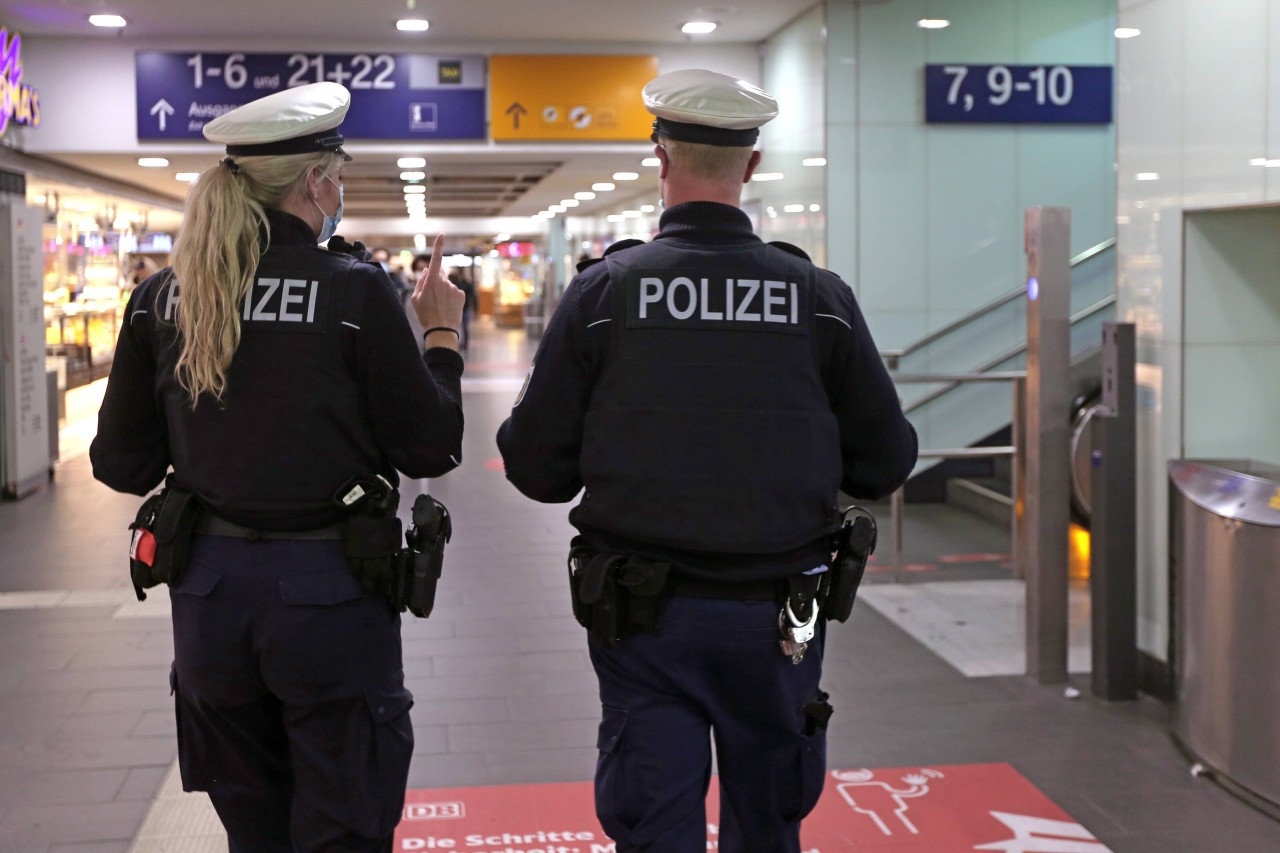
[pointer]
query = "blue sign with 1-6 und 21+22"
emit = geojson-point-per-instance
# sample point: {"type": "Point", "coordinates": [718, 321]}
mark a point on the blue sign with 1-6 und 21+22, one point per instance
{"type": "Point", "coordinates": [393, 95]}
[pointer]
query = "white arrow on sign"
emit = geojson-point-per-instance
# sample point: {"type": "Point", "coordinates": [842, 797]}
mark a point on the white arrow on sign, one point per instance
{"type": "Point", "coordinates": [165, 109]}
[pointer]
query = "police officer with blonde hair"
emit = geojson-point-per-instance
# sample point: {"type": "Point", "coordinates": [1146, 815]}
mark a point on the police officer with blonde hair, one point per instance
{"type": "Point", "coordinates": [711, 393]}
{"type": "Point", "coordinates": [262, 373]}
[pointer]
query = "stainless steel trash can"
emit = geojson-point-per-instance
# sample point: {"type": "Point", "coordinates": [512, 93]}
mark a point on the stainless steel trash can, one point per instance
{"type": "Point", "coordinates": [1225, 555]}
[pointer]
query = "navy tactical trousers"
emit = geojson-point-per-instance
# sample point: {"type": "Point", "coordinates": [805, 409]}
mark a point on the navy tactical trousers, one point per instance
{"type": "Point", "coordinates": [714, 671]}
{"type": "Point", "coordinates": [292, 710]}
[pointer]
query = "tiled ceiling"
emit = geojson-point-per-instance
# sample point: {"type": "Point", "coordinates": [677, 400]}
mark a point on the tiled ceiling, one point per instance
{"type": "Point", "coordinates": [452, 189]}
{"type": "Point", "coordinates": [484, 182]}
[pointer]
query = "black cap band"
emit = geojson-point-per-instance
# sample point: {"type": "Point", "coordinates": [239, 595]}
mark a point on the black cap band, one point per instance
{"type": "Point", "coordinates": [705, 135]}
{"type": "Point", "coordinates": [324, 141]}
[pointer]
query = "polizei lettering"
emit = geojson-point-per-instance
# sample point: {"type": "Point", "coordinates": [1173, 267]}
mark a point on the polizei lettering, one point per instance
{"type": "Point", "coordinates": [737, 301]}
{"type": "Point", "coordinates": [281, 304]}
{"type": "Point", "coordinates": [288, 300]}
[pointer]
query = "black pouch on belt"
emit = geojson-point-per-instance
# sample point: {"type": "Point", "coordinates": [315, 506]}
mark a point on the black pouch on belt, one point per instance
{"type": "Point", "coordinates": [616, 595]}
{"type": "Point", "coordinates": [161, 543]}
{"type": "Point", "coordinates": [641, 582]}
{"type": "Point", "coordinates": [372, 547]}
{"type": "Point", "coordinates": [372, 535]}
{"type": "Point", "coordinates": [601, 597]}
{"type": "Point", "coordinates": [579, 558]}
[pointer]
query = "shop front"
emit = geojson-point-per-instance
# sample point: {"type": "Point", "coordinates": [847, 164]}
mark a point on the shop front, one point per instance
{"type": "Point", "coordinates": [511, 284]}
{"type": "Point", "coordinates": [96, 249]}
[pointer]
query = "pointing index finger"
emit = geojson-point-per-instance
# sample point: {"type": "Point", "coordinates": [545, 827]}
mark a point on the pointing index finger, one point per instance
{"type": "Point", "coordinates": [433, 269]}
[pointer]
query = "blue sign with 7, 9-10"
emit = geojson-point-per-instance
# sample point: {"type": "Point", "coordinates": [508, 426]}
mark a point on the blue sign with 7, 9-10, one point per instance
{"type": "Point", "coordinates": [393, 96]}
{"type": "Point", "coordinates": [1018, 94]}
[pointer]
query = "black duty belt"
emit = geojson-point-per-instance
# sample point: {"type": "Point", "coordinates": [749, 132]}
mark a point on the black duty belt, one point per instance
{"type": "Point", "coordinates": [212, 525]}
{"type": "Point", "coordinates": [770, 590]}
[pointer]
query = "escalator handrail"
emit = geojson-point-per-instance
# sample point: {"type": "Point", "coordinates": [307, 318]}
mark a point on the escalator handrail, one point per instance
{"type": "Point", "coordinates": [892, 355]}
{"type": "Point", "coordinates": [992, 363]}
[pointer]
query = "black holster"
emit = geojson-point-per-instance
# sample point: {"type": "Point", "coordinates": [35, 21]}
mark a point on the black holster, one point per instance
{"type": "Point", "coordinates": [853, 545]}
{"type": "Point", "coordinates": [423, 562]}
{"type": "Point", "coordinates": [162, 534]}
{"type": "Point", "coordinates": [616, 595]}
{"type": "Point", "coordinates": [405, 576]}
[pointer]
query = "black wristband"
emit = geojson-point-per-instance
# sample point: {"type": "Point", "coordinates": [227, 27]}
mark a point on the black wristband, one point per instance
{"type": "Point", "coordinates": [441, 329]}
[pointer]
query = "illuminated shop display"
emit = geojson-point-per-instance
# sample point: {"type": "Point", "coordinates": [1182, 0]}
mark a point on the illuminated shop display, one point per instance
{"type": "Point", "coordinates": [95, 252]}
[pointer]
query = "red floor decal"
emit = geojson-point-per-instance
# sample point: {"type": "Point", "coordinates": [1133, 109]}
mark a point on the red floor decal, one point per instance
{"type": "Point", "coordinates": [912, 810]}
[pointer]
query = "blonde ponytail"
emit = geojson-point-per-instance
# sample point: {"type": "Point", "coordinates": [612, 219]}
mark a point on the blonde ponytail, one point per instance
{"type": "Point", "coordinates": [223, 234]}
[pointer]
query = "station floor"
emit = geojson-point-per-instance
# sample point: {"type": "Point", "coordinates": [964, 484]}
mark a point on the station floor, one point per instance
{"type": "Point", "coordinates": [924, 678]}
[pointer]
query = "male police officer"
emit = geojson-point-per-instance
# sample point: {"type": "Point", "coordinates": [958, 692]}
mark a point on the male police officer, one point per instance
{"type": "Point", "coordinates": [711, 392]}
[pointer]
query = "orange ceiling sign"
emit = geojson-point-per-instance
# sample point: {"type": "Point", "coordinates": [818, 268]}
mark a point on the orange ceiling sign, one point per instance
{"type": "Point", "coordinates": [569, 98]}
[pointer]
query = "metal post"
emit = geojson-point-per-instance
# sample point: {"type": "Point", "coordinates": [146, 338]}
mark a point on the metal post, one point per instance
{"type": "Point", "coordinates": [557, 248]}
{"type": "Point", "coordinates": [1048, 233]}
{"type": "Point", "coordinates": [1113, 573]}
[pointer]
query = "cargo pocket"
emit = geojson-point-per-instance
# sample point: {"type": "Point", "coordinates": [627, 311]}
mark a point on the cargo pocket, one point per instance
{"type": "Point", "coordinates": [321, 589]}
{"type": "Point", "coordinates": [194, 616]}
{"type": "Point", "coordinates": [188, 763]}
{"type": "Point", "coordinates": [611, 783]}
{"type": "Point", "coordinates": [382, 773]}
{"type": "Point", "coordinates": [811, 757]}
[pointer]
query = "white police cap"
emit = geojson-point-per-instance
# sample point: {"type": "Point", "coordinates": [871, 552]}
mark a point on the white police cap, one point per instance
{"type": "Point", "coordinates": [292, 121]}
{"type": "Point", "coordinates": [695, 105]}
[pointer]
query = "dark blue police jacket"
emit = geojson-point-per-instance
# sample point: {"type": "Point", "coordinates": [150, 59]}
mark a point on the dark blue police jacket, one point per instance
{"type": "Point", "coordinates": [327, 382]}
{"type": "Point", "coordinates": [712, 393]}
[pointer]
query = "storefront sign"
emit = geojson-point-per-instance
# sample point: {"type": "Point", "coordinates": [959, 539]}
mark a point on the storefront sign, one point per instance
{"type": "Point", "coordinates": [393, 95]}
{"type": "Point", "coordinates": [19, 102]}
{"type": "Point", "coordinates": [1018, 94]}
{"type": "Point", "coordinates": [911, 810]}
{"type": "Point", "coordinates": [536, 97]}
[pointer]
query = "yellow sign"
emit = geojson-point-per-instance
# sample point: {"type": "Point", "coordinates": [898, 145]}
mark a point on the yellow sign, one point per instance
{"type": "Point", "coordinates": [533, 97]}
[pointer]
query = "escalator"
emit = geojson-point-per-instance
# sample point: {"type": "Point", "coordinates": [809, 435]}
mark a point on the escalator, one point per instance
{"type": "Point", "coordinates": [992, 339]}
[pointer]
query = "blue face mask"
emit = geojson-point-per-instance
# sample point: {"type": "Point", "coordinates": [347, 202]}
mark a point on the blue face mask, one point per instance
{"type": "Point", "coordinates": [330, 226]}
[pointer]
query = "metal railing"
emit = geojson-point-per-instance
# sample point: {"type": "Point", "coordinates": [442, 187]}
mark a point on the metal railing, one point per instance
{"type": "Point", "coordinates": [984, 372]}
{"type": "Point", "coordinates": [951, 381]}
{"type": "Point", "coordinates": [893, 356]}
{"type": "Point", "coordinates": [995, 361]}
{"type": "Point", "coordinates": [1014, 451]}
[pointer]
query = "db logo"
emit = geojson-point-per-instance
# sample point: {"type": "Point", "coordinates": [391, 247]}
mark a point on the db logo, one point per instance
{"type": "Point", "coordinates": [434, 811]}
